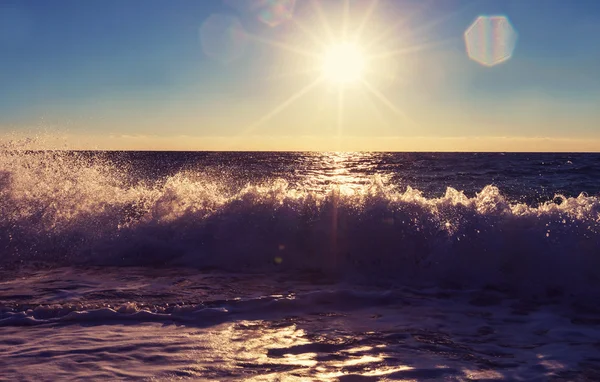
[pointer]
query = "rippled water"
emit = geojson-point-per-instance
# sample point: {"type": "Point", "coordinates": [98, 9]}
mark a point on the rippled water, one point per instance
{"type": "Point", "coordinates": [296, 266]}
{"type": "Point", "coordinates": [528, 177]}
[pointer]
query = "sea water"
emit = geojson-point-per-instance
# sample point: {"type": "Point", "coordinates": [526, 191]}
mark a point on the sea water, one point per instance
{"type": "Point", "coordinates": [299, 266]}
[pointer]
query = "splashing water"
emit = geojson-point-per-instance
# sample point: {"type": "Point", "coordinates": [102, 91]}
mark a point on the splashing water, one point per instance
{"type": "Point", "coordinates": [326, 266]}
{"type": "Point", "coordinates": [66, 208]}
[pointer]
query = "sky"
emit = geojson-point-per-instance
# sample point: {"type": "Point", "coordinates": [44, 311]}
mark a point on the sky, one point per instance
{"type": "Point", "coordinates": [249, 74]}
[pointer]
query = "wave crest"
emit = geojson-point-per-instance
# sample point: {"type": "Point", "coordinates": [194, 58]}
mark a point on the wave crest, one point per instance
{"type": "Point", "coordinates": [64, 208]}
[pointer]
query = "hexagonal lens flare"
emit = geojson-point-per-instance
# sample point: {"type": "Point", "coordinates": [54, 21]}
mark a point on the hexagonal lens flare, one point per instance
{"type": "Point", "coordinates": [223, 38]}
{"type": "Point", "coordinates": [275, 12]}
{"type": "Point", "coordinates": [490, 40]}
{"type": "Point", "coordinates": [270, 12]}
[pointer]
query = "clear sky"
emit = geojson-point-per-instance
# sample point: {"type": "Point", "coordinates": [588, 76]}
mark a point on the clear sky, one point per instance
{"type": "Point", "coordinates": [249, 75]}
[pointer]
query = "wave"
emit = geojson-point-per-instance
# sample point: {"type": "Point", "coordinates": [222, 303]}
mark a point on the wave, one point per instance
{"type": "Point", "coordinates": [60, 208]}
{"type": "Point", "coordinates": [206, 313]}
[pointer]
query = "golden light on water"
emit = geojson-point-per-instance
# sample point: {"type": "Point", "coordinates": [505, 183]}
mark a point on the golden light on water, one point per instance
{"type": "Point", "coordinates": [291, 353]}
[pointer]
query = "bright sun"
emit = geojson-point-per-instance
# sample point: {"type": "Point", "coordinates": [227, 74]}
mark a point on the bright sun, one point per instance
{"type": "Point", "coordinates": [343, 63]}
{"type": "Point", "coordinates": [352, 59]}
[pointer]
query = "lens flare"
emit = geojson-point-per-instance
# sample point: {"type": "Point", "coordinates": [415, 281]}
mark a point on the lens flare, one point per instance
{"type": "Point", "coordinates": [349, 50]}
{"type": "Point", "coordinates": [490, 40]}
{"type": "Point", "coordinates": [275, 12]}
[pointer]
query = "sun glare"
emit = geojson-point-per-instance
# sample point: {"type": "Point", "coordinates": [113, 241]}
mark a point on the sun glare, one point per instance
{"type": "Point", "coordinates": [336, 57]}
{"type": "Point", "coordinates": [343, 63]}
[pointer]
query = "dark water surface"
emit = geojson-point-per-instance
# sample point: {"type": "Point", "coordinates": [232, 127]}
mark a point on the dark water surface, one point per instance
{"type": "Point", "coordinates": [299, 266]}
{"type": "Point", "coordinates": [527, 177]}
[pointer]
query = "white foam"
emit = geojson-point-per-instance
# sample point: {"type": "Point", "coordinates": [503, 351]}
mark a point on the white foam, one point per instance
{"type": "Point", "coordinates": [63, 208]}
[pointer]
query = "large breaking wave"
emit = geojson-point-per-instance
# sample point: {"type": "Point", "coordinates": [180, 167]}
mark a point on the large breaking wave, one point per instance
{"type": "Point", "coordinates": [59, 208]}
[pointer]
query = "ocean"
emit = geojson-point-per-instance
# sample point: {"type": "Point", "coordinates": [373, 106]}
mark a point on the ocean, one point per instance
{"type": "Point", "coordinates": [299, 266]}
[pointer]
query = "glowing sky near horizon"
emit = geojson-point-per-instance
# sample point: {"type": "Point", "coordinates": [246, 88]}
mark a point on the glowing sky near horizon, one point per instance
{"type": "Point", "coordinates": [240, 72]}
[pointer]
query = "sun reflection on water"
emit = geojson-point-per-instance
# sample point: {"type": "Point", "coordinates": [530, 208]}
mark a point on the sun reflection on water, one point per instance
{"type": "Point", "coordinates": [342, 172]}
{"type": "Point", "coordinates": [283, 349]}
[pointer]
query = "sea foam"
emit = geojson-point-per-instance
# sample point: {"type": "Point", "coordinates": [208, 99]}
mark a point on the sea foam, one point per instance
{"type": "Point", "coordinates": [64, 208]}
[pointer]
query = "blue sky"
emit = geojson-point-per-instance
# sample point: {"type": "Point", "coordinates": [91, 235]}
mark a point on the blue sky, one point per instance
{"type": "Point", "coordinates": [137, 68]}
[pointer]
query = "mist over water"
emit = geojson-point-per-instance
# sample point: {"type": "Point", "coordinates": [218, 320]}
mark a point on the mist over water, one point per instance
{"type": "Point", "coordinates": [526, 221]}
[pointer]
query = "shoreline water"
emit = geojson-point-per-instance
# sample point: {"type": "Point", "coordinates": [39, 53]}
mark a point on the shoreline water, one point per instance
{"type": "Point", "coordinates": [128, 323]}
{"type": "Point", "coordinates": [246, 267]}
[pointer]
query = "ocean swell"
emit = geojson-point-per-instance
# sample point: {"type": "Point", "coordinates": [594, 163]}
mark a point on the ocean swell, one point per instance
{"type": "Point", "coordinates": [60, 208]}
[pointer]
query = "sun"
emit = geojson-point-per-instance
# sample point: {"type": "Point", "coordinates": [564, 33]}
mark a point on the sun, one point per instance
{"type": "Point", "coordinates": [360, 57]}
{"type": "Point", "coordinates": [343, 63]}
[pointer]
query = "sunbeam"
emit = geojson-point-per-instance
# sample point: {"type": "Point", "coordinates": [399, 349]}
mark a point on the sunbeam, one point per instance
{"type": "Point", "coordinates": [315, 39]}
{"type": "Point", "coordinates": [412, 49]}
{"type": "Point", "coordinates": [342, 60]}
{"type": "Point", "coordinates": [375, 40]}
{"type": "Point", "coordinates": [340, 118]}
{"type": "Point", "coordinates": [290, 74]}
{"type": "Point", "coordinates": [365, 20]}
{"type": "Point", "coordinates": [284, 46]}
{"type": "Point", "coordinates": [388, 103]}
{"type": "Point", "coordinates": [345, 19]}
{"type": "Point", "coordinates": [428, 27]}
{"type": "Point", "coordinates": [324, 24]}
{"type": "Point", "coordinates": [377, 112]}
{"type": "Point", "coordinates": [282, 106]}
